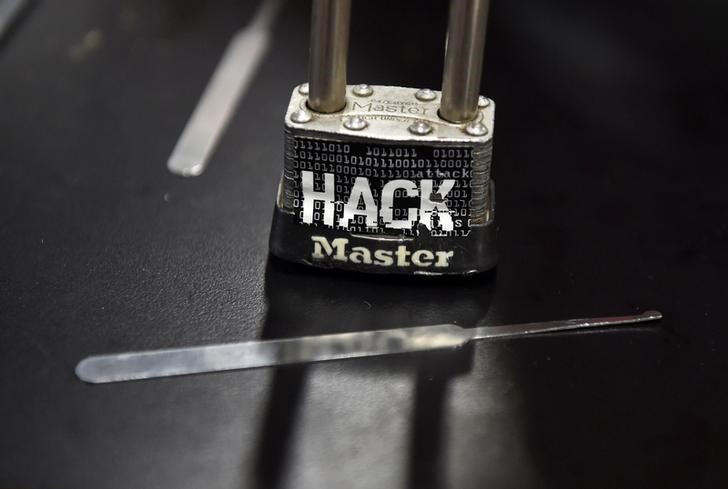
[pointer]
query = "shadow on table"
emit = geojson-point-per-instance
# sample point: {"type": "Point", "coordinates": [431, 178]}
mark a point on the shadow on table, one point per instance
{"type": "Point", "coordinates": [304, 301]}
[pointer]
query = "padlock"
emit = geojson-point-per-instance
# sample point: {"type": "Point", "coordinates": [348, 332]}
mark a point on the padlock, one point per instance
{"type": "Point", "coordinates": [389, 179]}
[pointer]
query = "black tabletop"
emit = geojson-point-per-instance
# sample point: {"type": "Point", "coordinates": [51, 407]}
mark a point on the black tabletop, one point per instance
{"type": "Point", "coordinates": [610, 167]}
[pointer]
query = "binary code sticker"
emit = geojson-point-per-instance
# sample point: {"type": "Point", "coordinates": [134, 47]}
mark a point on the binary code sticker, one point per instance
{"type": "Point", "coordinates": [380, 188]}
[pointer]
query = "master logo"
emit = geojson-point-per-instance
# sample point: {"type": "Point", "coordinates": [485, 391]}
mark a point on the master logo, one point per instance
{"type": "Point", "coordinates": [338, 249]}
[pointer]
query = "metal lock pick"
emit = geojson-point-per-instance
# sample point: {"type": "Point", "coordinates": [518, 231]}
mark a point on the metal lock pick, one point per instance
{"type": "Point", "coordinates": [389, 179]}
{"type": "Point", "coordinates": [101, 369]}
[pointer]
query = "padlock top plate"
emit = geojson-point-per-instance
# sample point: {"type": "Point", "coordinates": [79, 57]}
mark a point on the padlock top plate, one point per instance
{"type": "Point", "coordinates": [389, 112]}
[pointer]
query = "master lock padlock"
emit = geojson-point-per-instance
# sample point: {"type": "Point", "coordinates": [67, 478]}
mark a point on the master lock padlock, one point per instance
{"type": "Point", "coordinates": [389, 179]}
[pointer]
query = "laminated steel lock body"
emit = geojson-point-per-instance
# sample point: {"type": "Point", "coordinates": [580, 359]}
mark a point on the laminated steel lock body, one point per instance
{"type": "Point", "coordinates": [389, 179]}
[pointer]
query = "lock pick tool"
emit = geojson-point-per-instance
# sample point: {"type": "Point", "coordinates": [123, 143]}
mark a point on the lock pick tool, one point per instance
{"type": "Point", "coordinates": [101, 369]}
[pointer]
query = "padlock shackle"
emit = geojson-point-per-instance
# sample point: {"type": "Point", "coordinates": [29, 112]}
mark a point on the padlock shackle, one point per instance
{"type": "Point", "coordinates": [463, 59]}
{"type": "Point", "coordinates": [330, 21]}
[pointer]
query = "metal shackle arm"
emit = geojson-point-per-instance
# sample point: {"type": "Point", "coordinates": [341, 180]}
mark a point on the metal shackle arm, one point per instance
{"type": "Point", "coordinates": [463, 59]}
{"type": "Point", "coordinates": [327, 61]}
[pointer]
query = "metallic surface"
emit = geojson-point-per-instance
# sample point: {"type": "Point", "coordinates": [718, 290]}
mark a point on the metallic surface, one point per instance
{"type": "Point", "coordinates": [390, 113]}
{"type": "Point", "coordinates": [463, 59]}
{"type": "Point", "coordinates": [301, 116]}
{"type": "Point", "coordinates": [327, 59]}
{"type": "Point", "coordinates": [362, 90]}
{"type": "Point", "coordinates": [389, 116]}
{"type": "Point", "coordinates": [255, 354]}
{"type": "Point", "coordinates": [493, 332]}
{"type": "Point", "coordinates": [355, 123]}
{"type": "Point", "coordinates": [227, 86]}
{"type": "Point", "coordinates": [290, 241]}
{"type": "Point", "coordinates": [475, 128]}
{"type": "Point", "coordinates": [420, 128]}
{"type": "Point", "coordinates": [425, 95]}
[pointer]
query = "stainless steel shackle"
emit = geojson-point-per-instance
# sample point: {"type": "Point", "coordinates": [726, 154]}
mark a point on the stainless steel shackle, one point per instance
{"type": "Point", "coordinates": [462, 71]}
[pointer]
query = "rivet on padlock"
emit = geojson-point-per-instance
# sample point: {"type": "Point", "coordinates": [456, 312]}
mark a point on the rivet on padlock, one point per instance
{"type": "Point", "coordinates": [388, 179]}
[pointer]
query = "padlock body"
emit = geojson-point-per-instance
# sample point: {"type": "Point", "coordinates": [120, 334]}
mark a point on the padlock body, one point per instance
{"type": "Point", "coordinates": [388, 197]}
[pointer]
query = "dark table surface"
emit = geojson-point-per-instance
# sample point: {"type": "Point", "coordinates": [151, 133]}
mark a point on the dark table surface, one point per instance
{"type": "Point", "coordinates": [610, 164]}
